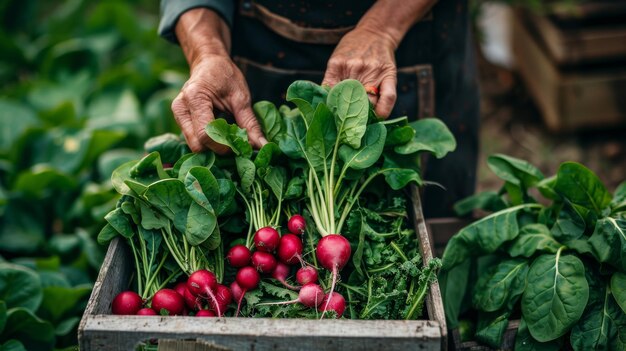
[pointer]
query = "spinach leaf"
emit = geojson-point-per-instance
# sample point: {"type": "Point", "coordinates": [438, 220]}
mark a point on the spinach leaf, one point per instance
{"type": "Point", "coordinates": [348, 101]}
{"type": "Point", "coordinates": [365, 156]}
{"type": "Point", "coordinates": [483, 236]}
{"type": "Point", "coordinates": [486, 200]}
{"type": "Point", "coordinates": [266, 155]}
{"type": "Point", "coordinates": [618, 288]}
{"type": "Point", "coordinates": [501, 286]}
{"type": "Point", "coordinates": [581, 186]}
{"type": "Point", "coordinates": [230, 135]}
{"type": "Point", "coordinates": [399, 135]}
{"type": "Point", "coordinates": [533, 238]}
{"type": "Point", "coordinates": [22, 324]}
{"type": "Point", "coordinates": [120, 222]}
{"type": "Point", "coordinates": [170, 146]}
{"type": "Point", "coordinates": [619, 198]}
{"type": "Point", "coordinates": [306, 95]}
{"type": "Point", "coordinates": [525, 342]}
{"type": "Point", "coordinates": [431, 135]}
{"type": "Point", "coordinates": [320, 138]}
{"type": "Point", "coordinates": [491, 327]}
{"type": "Point", "coordinates": [170, 197]}
{"type": "Point", "coordinates": [292, 138]}
{"type": "Point", "coordinates": [608, 242]}
{"type": "Point", "coordinates": [569, 225]}
{"type": "Point", "coordinates": [247, 173]}
{"type": "Point", "coordinates": [556, 295]}
{"type": "Point", "coordinates": [276, 178]}
{"type": "Point", "coordinates": [454, 288]}
{"type": "Point", "coordinates": [20, 287]}
{"type": "Point", "coordinates": [514, 170]}
{"type": "Point", "coordinates": [267, 113]}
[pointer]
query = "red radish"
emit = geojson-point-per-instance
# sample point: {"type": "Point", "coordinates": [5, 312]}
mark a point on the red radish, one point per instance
{"type": "Point", "coordinates": [205, 313]}
{"type": "Point", "coordinates": [223, 297]}
{"type": "Point", "coordinates": [180, 288]}
{"type": "Point", "coordinates": [126, 303]}
{"type": "Point", "coordinates": [305, 275]}
{"type": "Point", "coordinates": [192, 302]}
{"type": "Point", "coordinates": [169, 300]}
{"type": "Point", "coordinates": [146, 312]}
{"type": "Point", "coordinates": [263, 262]}
{"type": "Point", "coordinates": [310, 295]}
{"type": "Point", "coordinates": [266, 239]}
{"type": "Point", "coordinates": [236, 290]}
{"type": "Point", "coordinates": [296, 224]}
{"type": "Point", "coordinates": [334, 302]}
{"type": "Point", "coordinates": [290, 249]}
{"type": "Point", "coordinates": [333, 252]}
{"type": "Point", "coordinates": [280, 273]}
{"type": "Point", "coordinates": [247, 278]}
{"type": "Point", "coordinates": [202, 283]}
{"type": "Point", "coordinates": [239, 256]}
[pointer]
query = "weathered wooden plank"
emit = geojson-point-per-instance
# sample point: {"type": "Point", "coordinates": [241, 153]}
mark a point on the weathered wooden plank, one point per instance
{"type": "Point", "coordinates": [434, 302]}
{"type": "Point", "coordinates": [107, 332]}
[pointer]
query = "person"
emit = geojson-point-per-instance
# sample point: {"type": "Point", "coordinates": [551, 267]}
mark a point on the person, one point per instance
{"type": "Point", "coordinates": [414, 57]}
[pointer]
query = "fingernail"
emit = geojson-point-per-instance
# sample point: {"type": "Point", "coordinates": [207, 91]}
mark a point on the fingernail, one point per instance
{"type": "Point", "coordinates": [263, 141]}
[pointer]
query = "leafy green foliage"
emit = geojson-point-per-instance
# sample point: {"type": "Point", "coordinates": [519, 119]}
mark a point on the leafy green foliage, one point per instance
{"type": "Point", "coordinates": [571, 245]}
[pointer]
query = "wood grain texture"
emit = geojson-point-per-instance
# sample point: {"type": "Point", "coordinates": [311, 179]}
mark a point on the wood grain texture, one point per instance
{"type": "Point", "coordinates": [99, 330]}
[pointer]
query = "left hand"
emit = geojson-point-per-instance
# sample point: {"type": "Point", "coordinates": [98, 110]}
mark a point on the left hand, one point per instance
{"type": "Point", "coordinates": [369, 57]}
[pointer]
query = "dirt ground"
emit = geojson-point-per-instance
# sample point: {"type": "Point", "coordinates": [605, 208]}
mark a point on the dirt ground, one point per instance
{"type": "Point", "coordinates": [512, 125]}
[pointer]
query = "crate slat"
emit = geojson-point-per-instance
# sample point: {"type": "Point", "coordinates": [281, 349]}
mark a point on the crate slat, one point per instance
{"type": "Point", "coordinates": [101, 331]}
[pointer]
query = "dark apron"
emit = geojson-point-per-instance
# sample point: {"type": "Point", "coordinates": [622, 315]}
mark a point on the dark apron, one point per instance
{"type": "Point", "coordinates": [274, 44]}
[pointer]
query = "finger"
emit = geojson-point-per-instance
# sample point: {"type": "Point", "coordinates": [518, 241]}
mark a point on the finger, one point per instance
{"type": "Point", "coordinates": [201, 110]}
{"type": "Point", "coordinates": [373, 99]}
{"type": "Point", "coordinates": [387, 97]}
{"type": "Point", "coordinates": [333, 74]}
{"type": "Point", "coordinates": [184, 121]}
{"type": "Point", "coordinates": [246, 119]}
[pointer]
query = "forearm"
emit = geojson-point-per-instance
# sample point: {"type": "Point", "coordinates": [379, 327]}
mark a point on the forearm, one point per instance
{"type": "Point", "coordinates": [393, 18]}
{"type": "Point", "coordinates": [201, 33]}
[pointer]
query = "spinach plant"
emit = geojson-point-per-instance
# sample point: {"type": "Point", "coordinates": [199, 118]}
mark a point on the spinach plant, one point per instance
{"type": "Point", "coordinates": [559, 264]}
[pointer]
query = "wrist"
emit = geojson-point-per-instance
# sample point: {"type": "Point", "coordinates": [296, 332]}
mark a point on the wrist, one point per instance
{"type": "Point", "coordinates": [202, 33]}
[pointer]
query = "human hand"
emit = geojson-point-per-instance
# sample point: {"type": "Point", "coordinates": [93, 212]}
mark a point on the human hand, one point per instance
{"type": "Point", "coordinates": [215, 83]}
{"type": "Point", "coordinates": [367, 56]}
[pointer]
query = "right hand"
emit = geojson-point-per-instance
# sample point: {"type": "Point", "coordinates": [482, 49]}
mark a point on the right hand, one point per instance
{"type": "Point", "coordinates": [215, 83]}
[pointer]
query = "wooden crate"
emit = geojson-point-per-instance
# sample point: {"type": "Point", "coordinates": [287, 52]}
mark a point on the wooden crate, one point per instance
{"type": "Point", "coordinates": [99, 330]}
{"type": "Point", "coordinates": [441, 230]}
{"type": "Point", "coordinates": [573, 99]}
{"type": "Point", "coordinates": [572, 41]}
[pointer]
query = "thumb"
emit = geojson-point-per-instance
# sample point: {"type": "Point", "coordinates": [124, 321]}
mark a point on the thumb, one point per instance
{"type": "Point", "coordinates": [246, 119]}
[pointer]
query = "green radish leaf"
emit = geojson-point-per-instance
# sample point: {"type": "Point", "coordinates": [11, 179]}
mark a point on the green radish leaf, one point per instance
{"type": "Point", "coordinates": [195, 160]}
{"type": "Point", "coordinates": [247, 173]}
{"type": "Point", "coordinates": [486, 200]}
{"type": "Point", "coordinates": [170, 197]}
{"type": "Point", "coordinates": [120, 222]}
{"type": "Point", "coordinates": [306, 96]}
{"type": "Point", "coordinates": [149, 165]}
{"type": "Point", "coordinates": [431, 135]}
{"type": "Point", "coordinates": [292, 138]}
{"type": "Point", "coordinates": [525, 342]}
{"type": "Point", "coordinates": [266, 154]}
{"type": "Point", "coordinates": [398, 177]}
{"type": "Point", "coordinates": [170, 146]}
{"type": "Point", "coordinates": [107, 233]}
{"type": "Point", "coordinates": [320, 138]}
{"type": "Point", "coordinates": [23, 325]}
{"type": "Point", "coordinates": [229, 135]}
{"type": "Point", "coordinates": [484, 236]}
{"type": "Point", "coordinates": [608, 242]}
{"type": "Point", "coordinates": [365, 156]}
{"type": "Point", "coordinates": [150, 218]}
{"type": "Point", "coordinates": [491, 327]}
{"type": "Point", "coordinates": [348, 101]}
{"type": "Point", "coordinates": [200, 224]}
{"type": "Point", "coordinates": [267, 113]}
{"type": "Point", "coordinates": [276, 178]}
{"type": "Point", "coordinates": [514, 170]}
{"type": "Point", "coordinates": [531, 239]}
{"type": "Point", "coordinates": [556, 295]}
{"type": "Point", "coordinates": [202, 186]}
{"type": "Point", "coordinates": [20, 287]}
{"type": "Point", "coordinates": [295, 188]}
{"type": "Point", "coordinates": [582, 187]}
{"type": "Point", "coordinates": [226, 201]}
{"type": "Point", "coordinates": [618, 289]}
{"type": "Point", "coordinates": [501, 285]}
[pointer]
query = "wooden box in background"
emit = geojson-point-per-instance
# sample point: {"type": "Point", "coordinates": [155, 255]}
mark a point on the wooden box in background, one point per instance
{"type": "Point", "coordinates": [574, 67]}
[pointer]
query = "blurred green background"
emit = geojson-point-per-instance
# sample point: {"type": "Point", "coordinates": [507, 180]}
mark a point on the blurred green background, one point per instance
{"type": "Point", "coordinates": [82, 85]}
